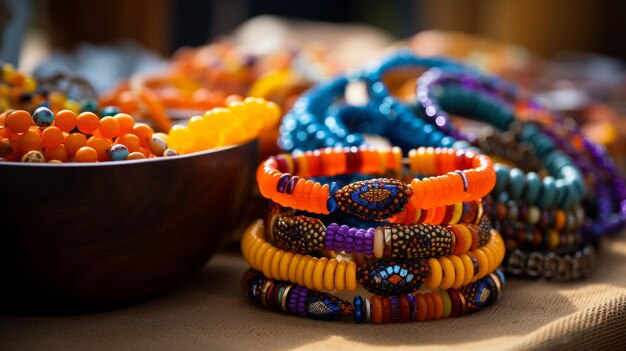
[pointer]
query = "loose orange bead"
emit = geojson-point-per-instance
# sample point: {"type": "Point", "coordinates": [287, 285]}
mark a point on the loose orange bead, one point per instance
{"type": "Point", "coordinates": [9, 134]}
{"type": "Point", "coordinates": [58, 153]}
{"type": "Point", "coordinates": [87, 122]}
{"type": "Point", "coordinates": [73, 142]}
{"type": "Point", "coordinates": [86, 154]}
{"type": "Point", "coordinates": [143, 131]}
{"type": "Point", "coordinates": [51, 137]}
{"type": "Point", "coordinates": [109, 127]}
{"type": "Point", "coordinates": [65, 120]}
{"type": "Point", "coordinates": [135, 156]}
{"type": "Point", "coordinates": [102, 146]}
{"type": "Point", "coordinates": [19, 121]}
{"type": "Point", "coordinates": [131, 141]}
{"type": "Point", "coordinates": [126, 123]}
{"type": "Point", "coordinates": [29, 140]}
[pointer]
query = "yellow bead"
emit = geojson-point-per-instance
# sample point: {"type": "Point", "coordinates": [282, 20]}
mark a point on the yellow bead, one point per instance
{"type": "Point", "coordinates": [459, 269]}
{"type": "Point", "coordinates": [273, 113]}
{"type": "Point", "coordinates": [29, 85]}
{"type": "Point", "coordinates": [244, 117]}
{"type": "Point", "coordinates": [57, 100]}
{"type": "Point", "coordinates": [204, 136]}
{"type": "Point", "coordinates": [329, 275]}
{"type": "Point", "coordinates": [448, 273]}
{"type": "Point", "coordinates": [340, 276]}
{"type": "Point", "coordinates": [436, 274]}
{"type": "Point", "coordinates": [8, 72]}
{"type": "Point", "coordinates": [182, 137]}
{"type": "Point", "coordinates": [256, 112]}
{"type": "Point", "coordinates": [72, 105]}
{"type": "Point", "coordinates": [220, 119]}
{"type": "Point", "coordinates": [4, 90]}
{"type": "Point", "coordinates": [198, 126]}
{"type": "Point", "coordinates": [351, 284]}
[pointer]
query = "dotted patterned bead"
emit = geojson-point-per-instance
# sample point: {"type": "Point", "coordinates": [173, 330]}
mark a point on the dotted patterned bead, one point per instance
{"type": "Point", "coordinates": [484, 292]}
{"type": "Point", "coordinates": [375, 199]}
{"type": "Point", "coordinates": [418, 240]}
{"type": "Point", "coordinates": [393, 276]}
{"type": "Point", "coordinates": [298, 234]}
{"type": "Point", "coordinates": [484, 229]}
{"type": "Point", "coordinates": [326, 306]}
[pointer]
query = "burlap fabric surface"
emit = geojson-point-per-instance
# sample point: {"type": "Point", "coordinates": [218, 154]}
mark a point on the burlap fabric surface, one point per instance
{"type": "Point", "coordinates": [211, 313]}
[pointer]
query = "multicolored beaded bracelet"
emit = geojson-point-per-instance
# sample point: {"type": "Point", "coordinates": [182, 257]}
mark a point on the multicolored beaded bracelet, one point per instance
{"type": "Point", "coordinates": [606, 205]}
{"type": "Point", "coordinates": [467, 176]}
{"type": "Point", "coordinates": [565, 189]}
{"type": "Point", "coordinates": [556, 219]}
{"type": "Point", "coordinates": [302, 234]}
{"type": "Point", "coordinates": [461, 212]}
{"type": "Point", "coordinates": [526, 236]}
{"type": "Point", "coordinates": [385, 276]}
{"type": "Point", "coordinates": [575, 264]}
{"type": "Point", "coordinates": [301, 301]}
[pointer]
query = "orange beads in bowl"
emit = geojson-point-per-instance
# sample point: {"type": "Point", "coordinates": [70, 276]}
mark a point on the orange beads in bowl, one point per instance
{"type": "Point", "coordinates": [70, 137]}
{"type": "Point", "coordinates": [87, 138]}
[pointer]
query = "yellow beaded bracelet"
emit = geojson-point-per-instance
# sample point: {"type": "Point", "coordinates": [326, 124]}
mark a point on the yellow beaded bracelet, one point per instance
{"type": "Point", "coordinates": [322, 273]}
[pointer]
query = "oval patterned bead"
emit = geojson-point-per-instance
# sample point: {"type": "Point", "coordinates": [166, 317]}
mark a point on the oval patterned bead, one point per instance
{"type": "Point", "coordinates": [418, 240]}
{"type": "Point", "coordinates": [374, 199]}
{"type": "Point", "coordinates": [328, 307]}
{"type": "Point", "coordinates": [298, 234]}
{"type": "Point", "coordinates": [387, 277]}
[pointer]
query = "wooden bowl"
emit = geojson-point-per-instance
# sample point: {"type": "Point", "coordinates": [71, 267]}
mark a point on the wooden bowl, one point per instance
{"type": "Point", "coordinates": [87, 237]}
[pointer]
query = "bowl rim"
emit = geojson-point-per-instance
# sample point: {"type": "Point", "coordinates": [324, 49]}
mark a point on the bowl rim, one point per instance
{"type": "Point", "coordinates": [6, 164]}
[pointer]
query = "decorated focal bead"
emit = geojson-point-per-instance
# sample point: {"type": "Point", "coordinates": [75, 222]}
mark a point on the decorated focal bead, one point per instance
{"type": "Point", "coordinates": [34, 157]}
{"type": "Point", "coordinates": [326, 306]}
{"type": "Point", "coordinates": [418, 240]}
{"type": "Point", "coordinates": [393, 276]}
{"type": "Point", "coordinates": [43, 117]}
{"type": "Point", "coordinates": [482, 293]}
{"type": "Point", "coordinates": [118, 152]}
{"type": "Point", "coordinates": [374, 199]}
{"type": "Point", "coordinates": [485, 227]}
{"type": "Point", "coordinates": [157, 145]}
{"type": "Point", "coordinates": [298, 234]}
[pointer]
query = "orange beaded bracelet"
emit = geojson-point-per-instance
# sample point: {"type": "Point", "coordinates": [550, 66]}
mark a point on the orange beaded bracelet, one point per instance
{"type": "Point", "coordinates": [464, 176]}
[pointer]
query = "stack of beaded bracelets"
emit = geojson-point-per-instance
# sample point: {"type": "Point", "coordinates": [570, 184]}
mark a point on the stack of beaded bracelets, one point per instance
{"type": "Point", "coordinates": [433, 231]}
{"type": "Point", "coordinates": [386, 115]}
{"type": "Point", "coordinates": [465, 284]}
